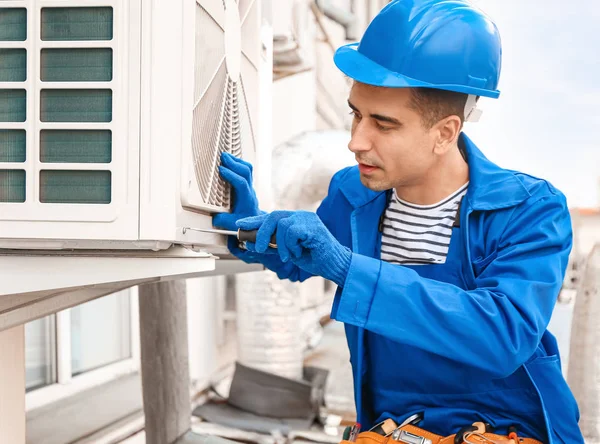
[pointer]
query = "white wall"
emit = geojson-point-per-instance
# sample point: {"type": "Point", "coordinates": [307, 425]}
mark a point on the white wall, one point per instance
{"type": "Point", "coordinates": [294, 101]}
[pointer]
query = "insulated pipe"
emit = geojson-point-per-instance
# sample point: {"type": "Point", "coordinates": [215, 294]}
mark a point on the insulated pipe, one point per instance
{"type": "Point", "coordinates": [584, 365]}
{"type": "Point", "coordinates": [304, 166]}
{"type": "Point", "coordinates": [344, 18]}
{"type": "Point", "coordinates": [271, 314]}
{"type": "Point", "coordinates": [268, 312]}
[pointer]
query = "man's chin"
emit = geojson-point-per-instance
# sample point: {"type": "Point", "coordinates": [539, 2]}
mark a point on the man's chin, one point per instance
{"type": "Point", "coordinates": [372, 184]}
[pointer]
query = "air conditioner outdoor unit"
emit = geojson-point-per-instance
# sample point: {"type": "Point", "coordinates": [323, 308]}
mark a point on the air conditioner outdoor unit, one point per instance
{"type": "Point", "coordinates": [113, 116]}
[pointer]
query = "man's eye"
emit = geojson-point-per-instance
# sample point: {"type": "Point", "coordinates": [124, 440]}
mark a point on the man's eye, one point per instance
{"type": "Point", "coordinates": [383, 128]}
{"type": "Point", "coordinates": [355, 114]}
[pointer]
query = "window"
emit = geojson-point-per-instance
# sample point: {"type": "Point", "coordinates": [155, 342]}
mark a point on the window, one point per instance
{"type": "Point", "coordinates": [81, 347]}
{"type": "Point", "coordinates": [40, 353]}
{"type": "Point", "coordinates": [100, 333]}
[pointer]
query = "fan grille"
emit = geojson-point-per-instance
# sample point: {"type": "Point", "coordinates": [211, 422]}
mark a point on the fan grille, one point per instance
{"type": "Point", "coordinates": [210, 52]}
{"type": "Point", "coordinates": [245, 125]}
{"type": "Point", "coordinates": [221, 117]}
{"type": "Point", "coordinates": [205, 134]}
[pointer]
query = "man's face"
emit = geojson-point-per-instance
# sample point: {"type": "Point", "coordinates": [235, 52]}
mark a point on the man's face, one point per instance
{"type": "Point", "coordinates": [391, 145]}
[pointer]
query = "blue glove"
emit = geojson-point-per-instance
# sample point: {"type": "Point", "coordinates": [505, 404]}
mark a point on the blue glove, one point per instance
{"type": "Point", "coordinates": [272, 262]}
{"type": "Point", "coordinates": [245, 203]}
{"type": "Point", "coordinates": [302, 239]}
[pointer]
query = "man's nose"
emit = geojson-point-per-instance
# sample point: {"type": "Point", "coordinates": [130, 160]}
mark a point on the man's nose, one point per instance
{"type": "Point", "coordinates": [360, 140]}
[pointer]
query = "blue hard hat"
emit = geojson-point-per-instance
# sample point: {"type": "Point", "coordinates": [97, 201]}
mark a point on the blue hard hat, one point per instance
{"type": "Point", "coordinates": [443, 44]}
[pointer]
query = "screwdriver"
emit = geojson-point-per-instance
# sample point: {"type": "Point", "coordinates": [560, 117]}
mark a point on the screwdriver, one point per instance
{"type": "Point", "coordinates": [241, 235]}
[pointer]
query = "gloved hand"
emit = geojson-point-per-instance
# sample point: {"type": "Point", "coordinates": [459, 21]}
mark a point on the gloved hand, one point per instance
{"type": "Point", "coordinates": [238, 173]}
{"type": "Point", "coordinates": [245, 203]}
{"type": "Point", "coordinates": [303, 239]}
{"type": "Point", "coordinates": [272, 262]}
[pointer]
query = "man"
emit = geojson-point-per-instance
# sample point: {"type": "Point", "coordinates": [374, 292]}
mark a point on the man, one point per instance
{"type": "Point", "coordinates": [448, 266]}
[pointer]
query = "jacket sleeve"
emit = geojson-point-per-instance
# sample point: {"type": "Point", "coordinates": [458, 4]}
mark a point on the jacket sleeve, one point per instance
{"type": "Point", "coordinates": [289, 270]}
{"type": "Point", "coordinates": [497, 326]}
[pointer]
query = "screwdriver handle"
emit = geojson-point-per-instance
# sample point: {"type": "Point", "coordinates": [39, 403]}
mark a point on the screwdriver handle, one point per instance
{"type": "Point", "coordinates": [250, 236]}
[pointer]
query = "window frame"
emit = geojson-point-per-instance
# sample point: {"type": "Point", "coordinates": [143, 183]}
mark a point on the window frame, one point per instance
{"type": "Point", "coordinates": [67, 385]}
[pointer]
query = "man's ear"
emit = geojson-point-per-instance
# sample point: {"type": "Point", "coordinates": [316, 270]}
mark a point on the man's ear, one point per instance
{"type": "Point", "coordinates": [447, 132]}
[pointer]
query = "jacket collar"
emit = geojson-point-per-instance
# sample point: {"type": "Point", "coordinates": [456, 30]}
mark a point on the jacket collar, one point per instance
{"type": "Point", "coordinates": [490, 187]}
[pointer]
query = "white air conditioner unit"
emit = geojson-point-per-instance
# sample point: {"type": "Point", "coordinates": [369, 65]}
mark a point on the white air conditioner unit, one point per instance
{"type": "Point", "coordinates": [113, 116]}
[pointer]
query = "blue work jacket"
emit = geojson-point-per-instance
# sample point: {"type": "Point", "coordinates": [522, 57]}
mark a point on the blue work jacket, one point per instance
{"type": "Point", "coordinates": [472, 344]}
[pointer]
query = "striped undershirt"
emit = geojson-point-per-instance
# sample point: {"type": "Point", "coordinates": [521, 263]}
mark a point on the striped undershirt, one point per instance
{"type": "Point", "coordinates": [419, 234]}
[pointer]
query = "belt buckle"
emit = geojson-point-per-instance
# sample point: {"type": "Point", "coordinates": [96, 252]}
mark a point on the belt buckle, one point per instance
{"type": "Point", "coordinates": [409, 438]}
{"type": "Point", "coordinates": [413, 419]}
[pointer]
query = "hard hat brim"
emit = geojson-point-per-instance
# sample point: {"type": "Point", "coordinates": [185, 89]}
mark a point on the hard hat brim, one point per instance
{"type": "Point", "coordinates": [362, 69]}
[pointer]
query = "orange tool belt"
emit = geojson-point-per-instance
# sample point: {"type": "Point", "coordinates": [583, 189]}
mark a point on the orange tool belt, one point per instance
{"type": "Point", "coordinates": [411, 434]}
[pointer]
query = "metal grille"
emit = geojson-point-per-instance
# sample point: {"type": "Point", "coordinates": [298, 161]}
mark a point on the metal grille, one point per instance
{"type": "Point", "coordinates": [205, 134]}
{"type": "Point", "coordinates": [221, 115]}
{"type": "Point", "coordinates": [66, 112]}
{"type": "Point", "coordinates": [246, 130]}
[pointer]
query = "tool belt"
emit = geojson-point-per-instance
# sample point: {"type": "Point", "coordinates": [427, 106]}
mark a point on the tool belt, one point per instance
{"type": "Point", "coordinates": [387, 432]}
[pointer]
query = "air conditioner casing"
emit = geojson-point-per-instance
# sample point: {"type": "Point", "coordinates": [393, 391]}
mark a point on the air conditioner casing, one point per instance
{"type": "Point", "coordinates": [156, 199]}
